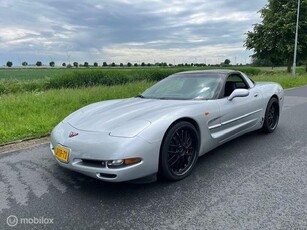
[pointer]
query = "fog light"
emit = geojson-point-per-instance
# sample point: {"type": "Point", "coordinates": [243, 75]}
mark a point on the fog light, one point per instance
{"type": "Point", "coordinates": [115, 163]}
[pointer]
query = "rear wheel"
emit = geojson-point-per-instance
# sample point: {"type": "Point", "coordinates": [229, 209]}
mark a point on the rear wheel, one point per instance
{"type": "Point", "coordinates": [179, 151]}
{"type": "Point", "coordinates": [271, 116]}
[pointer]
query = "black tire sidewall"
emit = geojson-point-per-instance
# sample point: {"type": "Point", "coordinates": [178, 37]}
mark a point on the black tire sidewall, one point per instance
{"type": "Point", "coordinates": [164, 170]}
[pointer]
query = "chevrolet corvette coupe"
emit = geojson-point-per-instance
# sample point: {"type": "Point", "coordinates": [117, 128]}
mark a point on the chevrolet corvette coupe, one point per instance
{"type": "Point", "coordinates": [165, 129]}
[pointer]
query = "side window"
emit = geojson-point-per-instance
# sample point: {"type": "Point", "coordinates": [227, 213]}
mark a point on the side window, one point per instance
{"type": "Point", "coordinates": [233, 82]}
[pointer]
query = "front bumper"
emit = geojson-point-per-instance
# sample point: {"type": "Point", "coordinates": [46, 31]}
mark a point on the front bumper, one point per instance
{"type": "Point", "coordinates": [89, 152]}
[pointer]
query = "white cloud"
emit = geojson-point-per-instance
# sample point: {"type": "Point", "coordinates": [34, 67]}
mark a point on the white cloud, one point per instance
{"type": "Point", "coordinates": [9, 34]}
{"type": "Point", "coordinates": [123, 30]}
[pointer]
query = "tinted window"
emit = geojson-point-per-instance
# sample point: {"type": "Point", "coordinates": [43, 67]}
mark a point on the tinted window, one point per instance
{"type": "Point", "coordinates": [234, 82]}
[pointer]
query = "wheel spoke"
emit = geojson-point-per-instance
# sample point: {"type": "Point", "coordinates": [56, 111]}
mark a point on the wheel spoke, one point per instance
{"type": "Point", "coordinates": [182, 164]}
{"type": "Point", "coordinates": [171, 163]}
{"type": "Point", "coordinates": [272, 110]}
{"type": "Point", "coordinates": [173, 146]}
{"type": "Point", "coordinates": [272, 116]}
{"type": "Point", "coordinates": [189, 151]}
{"type": "Point", "coordinates": [182, 136]}
{"type": "Point", "coordinates": [186, 159]}
{"type": "Point", "coordinates": [177, 164]}
{"type": "Point", "coordinates": [185, 138]}
{"type": "Point", "coordinates": [189, 144]}
{"type": "Point", "coordinates": [176, 139]}
{"type": "Point", "coordinates": [172, 152]}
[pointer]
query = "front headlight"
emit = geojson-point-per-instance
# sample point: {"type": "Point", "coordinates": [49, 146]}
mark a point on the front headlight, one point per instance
{"type": "Point", "coordinates": [131, 129]}
{"type": "Point", "coordinates": [123, 163]}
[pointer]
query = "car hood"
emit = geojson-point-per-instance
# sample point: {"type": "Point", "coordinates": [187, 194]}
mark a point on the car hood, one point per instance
{"type": "Point", "coordinates": [133, 114]}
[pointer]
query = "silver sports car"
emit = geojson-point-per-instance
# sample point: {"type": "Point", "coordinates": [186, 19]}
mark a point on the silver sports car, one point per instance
{"type": "Point", "coordinates": [165, 129]}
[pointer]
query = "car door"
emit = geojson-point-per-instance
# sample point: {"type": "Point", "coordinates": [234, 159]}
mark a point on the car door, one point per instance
{"type": "Point", "coordinates": [241, 113]}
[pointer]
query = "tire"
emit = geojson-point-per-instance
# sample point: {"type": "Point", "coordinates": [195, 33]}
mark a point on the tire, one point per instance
{"type": "Point", "coordinates": [179, 151]}
{"type": "Point", "coordinates": [271, 117]}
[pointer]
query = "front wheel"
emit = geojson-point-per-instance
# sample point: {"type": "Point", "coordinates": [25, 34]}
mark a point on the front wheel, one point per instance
{"type": "Point", "coordinates": [271, 116]}
{"type": "Point", "coordinates": [179, 151]}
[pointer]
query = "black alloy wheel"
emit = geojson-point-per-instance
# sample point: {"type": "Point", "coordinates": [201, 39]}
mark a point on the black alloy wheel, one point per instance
{"type": "Point", "coordinates": [271, 116]}
{"type": "Point", "coordinates": [179, 151]}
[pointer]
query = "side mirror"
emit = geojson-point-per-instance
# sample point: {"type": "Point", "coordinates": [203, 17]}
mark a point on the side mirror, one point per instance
{"type": "Point", "coordinates": [238, 93]}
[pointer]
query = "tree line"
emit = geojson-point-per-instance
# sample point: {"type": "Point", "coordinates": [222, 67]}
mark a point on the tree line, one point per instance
{"type": "Point", "coordinates": [113, 64]}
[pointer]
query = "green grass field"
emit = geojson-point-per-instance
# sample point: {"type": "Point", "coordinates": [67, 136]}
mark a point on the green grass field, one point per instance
{"type": "Point", "coordinates": [33, 114]}
{"type": "Point", "coordinates": [285, 80]}
{"type": "Point", "coordinates": [32, 103]}
{"type": "Point", "coordinates": [31, 73]}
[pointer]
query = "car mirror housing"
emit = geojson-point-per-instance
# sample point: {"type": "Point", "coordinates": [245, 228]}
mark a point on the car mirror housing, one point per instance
{"type": "Point", "coordinates": [238, 93]}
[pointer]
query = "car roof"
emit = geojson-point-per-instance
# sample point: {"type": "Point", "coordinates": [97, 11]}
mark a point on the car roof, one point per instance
{"type": "Point", "coordinates": [224, 72]}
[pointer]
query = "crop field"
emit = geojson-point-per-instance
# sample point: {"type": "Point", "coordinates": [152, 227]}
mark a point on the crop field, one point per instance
{"type": "Point", "coordinates": [38, 73]}
{"type": "Point", "coordinates": [31, 73]}
{"type": "Point", "coordinates": [34, 100]}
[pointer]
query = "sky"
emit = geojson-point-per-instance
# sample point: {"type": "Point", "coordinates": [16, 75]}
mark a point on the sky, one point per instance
{"type": "Point", "coordinates": [124, 31]}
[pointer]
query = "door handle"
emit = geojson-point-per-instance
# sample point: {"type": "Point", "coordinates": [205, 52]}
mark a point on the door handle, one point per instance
{"type": "Point", "coordinates": [256, 95]}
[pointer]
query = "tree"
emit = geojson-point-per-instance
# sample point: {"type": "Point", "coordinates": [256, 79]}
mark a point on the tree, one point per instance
{"type": "Point", "coordinates": [24, 63]}
{"type": "Point", "coordinates": [121, 64]}
{"type": "Point", "coordinates": [113, 64]}
{"type": "Point", "coordinates": [39, 63]}
{"type": "Point", "coordinates": [273, 38]}
{"type": "Point", "coordinates": [86, 64]}
{"type": "Point", "coordinates": [261, 62]}
{"type": "Point", "coordinates": [104, 64]}
{"type": "Point", "coordinates": [95, 64]}
{"type": "Point", "coordinates": [226, 62]}
{"type": "Point", "coordinates": [135, 64]}
{"type": "Point", "coordinates": [143, 64]}
{"type": "Point", "coordinates": [129, 64]}
{"type": "Point", "coordinates": [51, 64]}
{"type": "Point", "coordinates": [9, 64]}
{"type": "Point", "coordinates": [63, 64]}
{"type": "Point", "coordinates": [75, 64]}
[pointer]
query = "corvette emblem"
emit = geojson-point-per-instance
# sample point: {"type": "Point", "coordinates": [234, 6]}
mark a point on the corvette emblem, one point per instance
{"type": "Point", "coordinates": [73, 134]}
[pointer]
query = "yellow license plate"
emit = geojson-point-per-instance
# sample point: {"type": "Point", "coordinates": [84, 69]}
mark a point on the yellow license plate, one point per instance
{"type": "Point", "coordinates": [62, 154]}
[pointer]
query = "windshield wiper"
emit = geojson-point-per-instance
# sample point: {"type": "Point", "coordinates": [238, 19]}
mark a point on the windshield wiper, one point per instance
{"type": "Point", "coordinates": [140, 96]}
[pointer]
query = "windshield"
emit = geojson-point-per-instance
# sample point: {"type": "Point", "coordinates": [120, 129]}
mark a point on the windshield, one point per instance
{"type": "Point", "coordinates": [185, 87]}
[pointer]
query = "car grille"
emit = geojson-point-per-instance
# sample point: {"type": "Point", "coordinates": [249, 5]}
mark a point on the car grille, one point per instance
{"type": "Point", "coordinates": [93, 163]}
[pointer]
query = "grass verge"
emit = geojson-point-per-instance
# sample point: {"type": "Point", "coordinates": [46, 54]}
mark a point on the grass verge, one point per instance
{"type": "Point", "coordinates": [32, 114]}
{"type": "Point", "coordinates": [285, 80]}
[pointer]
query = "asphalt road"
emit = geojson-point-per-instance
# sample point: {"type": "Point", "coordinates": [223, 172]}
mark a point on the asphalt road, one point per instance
{"type": "Point", "coordinates": [258, 181]}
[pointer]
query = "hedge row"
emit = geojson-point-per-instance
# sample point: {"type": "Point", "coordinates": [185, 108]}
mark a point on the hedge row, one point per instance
{"type": "Point", "coordinates": [94, 77]}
